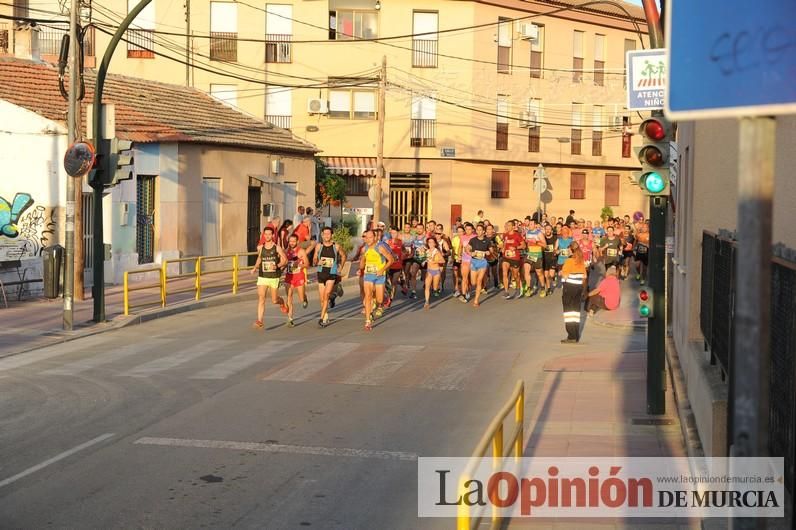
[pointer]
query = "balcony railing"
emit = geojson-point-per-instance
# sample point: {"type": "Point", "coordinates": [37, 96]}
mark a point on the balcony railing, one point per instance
{"type": "Point", "coordinates": [278, 48]}
{"type": "Point", "coordinates": [140, 44]}
{"type": "Point", "coordinates": [4, 38]}
{"type": "Point", "coordinates": [283, 122]}
{"type": "Point", "coordinates": [50, 41]}
{"type": "Point", "coordinates": [223, 46]}
{"type": "Point", "coordinates": [424, 53]}
{"type": "Point", "coordinates": [424, 133]}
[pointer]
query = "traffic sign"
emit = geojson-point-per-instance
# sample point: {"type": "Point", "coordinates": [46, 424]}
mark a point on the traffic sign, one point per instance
{"type": "Point", "coordinates": [646, 79]}
{"type": "Point", "coordinates": [540, 179]}
{"type": "Point", "coordinates": [730, 58]}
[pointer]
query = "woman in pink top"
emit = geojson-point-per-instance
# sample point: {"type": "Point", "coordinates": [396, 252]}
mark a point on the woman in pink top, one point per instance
{"type": "Point", "coordinates": [606, 295]}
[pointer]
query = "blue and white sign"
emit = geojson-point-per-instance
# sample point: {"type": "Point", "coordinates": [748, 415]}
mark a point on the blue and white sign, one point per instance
{"type": "Point", "coordinates": [646, 79]}
{"type": "Point", "coordinates": [731, 58]}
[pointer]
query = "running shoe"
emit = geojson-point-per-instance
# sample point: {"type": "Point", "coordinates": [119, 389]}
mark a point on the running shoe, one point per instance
{"type": "Point", "coordinates": [387, 303]}
{"type": "Point", "coordinates": [484, 291]}
{"type": "Point", "coordinates": [282, 307]}
{"type": "Point", "coordinates": [500, 286]}
{"type": "Point", "coordinates": [404, 290]}
{"type": "Point", "coordinates": [457, 294]}
{"type": "Point", "coordinates": [426, 306]}
{"type": "Point", "coordinates": [542, 294]}
{"type": "Point", "coordinates": [325, 320]}
{"type": "Point", "coordinates": [332, 301]}
{"type": "Point", "coordinates": [339, 290]}
{"type": "Point", "coordinates": [507, 296]}
{"type": "Point", "coordinates": [304, 304]}
{"type": "Point", "coordinates": [638, 277]}
{"type": "Point", "coordinates": [413, 295]}
{"type": "Point", "coordinates": [258, 324]}
{"type": "Point", "coordinates": [290, 323]}
{"type": "Point", "coordinates": [378, 313]}
{"type": "Point", "coordinates": [368, 325]}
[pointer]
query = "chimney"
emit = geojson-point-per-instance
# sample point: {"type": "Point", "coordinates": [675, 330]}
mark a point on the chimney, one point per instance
{"type": "Point", "coordinates": [26, 43]}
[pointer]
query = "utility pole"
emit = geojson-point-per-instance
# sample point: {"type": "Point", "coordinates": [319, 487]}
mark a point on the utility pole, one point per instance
{"type": "Point", "coordinates": [188, 43]}
{"type": "Point", "coordinates": [380, 144]}
{"type": "Point", "coordinates": [69, 254]}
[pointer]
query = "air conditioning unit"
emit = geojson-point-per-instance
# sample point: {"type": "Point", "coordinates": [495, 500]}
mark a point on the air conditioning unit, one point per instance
{"type": "Point", "coordinates": [277, 167]}
{"type": "Point", "coordinates": [528, 119]}
{"type": "Point", "coordinates": [617, 121]}
{"type": "Point", "coordinates": [529, 31]}
{"type": "Point", "coordinates": [317, 106]}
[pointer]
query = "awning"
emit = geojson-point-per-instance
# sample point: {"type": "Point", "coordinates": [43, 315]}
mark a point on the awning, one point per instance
{"type": "Point", "coordinates": [351, 165]}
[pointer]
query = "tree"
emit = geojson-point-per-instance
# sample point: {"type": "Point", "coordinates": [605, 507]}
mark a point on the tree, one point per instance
{"type": "Point", "coordinates": [329, 188]}
{"type": "Point", "coordinates": [606, 213]}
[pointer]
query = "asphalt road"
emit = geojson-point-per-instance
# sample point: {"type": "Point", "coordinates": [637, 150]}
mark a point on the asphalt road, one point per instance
{"type": "Point", "coordinates": [199, 421]}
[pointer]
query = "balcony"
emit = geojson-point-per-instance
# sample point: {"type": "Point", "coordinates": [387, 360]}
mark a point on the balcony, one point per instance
{"type": "Point", "coordinates": [50, 44]}
{"type": "Point", "coordinates": [223, 46]}
{"type": "Point", "coordinates": [140, 44]}
{"type": "Point", "coordinates": [283, 122]}
{"type": "Point", "coordinates": [4, 32]}
{"type": "Point", "coordinates": [424, 53]}
{"type": "Point", "coordinates": [424, 133]}
{"type": "Point", "coordinates": [278, 48]}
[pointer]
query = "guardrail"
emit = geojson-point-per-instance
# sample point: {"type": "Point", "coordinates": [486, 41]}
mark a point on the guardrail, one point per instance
{"type": "Point", "coordinates": [494, 437]}
{"type": "Point", "coordinates": [140, 287]}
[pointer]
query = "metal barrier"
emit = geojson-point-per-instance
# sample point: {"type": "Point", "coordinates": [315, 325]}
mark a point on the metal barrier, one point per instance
{"type": "Point", "coordinates": [494, 437]}
{"type": "Point", "coordinates": [180, 275]}
{"type": "Point", "coordinates": [200, 272]}
{"type": "Point", "coordinates": [245, 268]}
{"type": "Point", "coordinates": [127, 289]}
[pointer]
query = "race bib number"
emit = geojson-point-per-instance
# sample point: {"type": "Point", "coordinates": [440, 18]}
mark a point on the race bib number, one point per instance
{"type": "Point", "coordinates": [565, 252]}
{"type": "Point", "coordinates": [533, 258]}
{"type": "Point", "coordinates": [611, 252]}
{"type": "Point", "coordinates": [551, 248]}
{"type": "Point", "coordinates": [269, 266]}
{"type": "Point", "coordinates": [294, 267]}
{"type": "Point", "coordinates": [479, 254]}
{"type": "Point", "coordinates": [642, 249]}
{"type": "Point", "coordinates": [511, 253]}
{"type": "Point", "coordinates": [421, 252]}
{"type": "Point", "coordinates": [326, 263]}
{"type": "Point", "coordinates": [371, 269]}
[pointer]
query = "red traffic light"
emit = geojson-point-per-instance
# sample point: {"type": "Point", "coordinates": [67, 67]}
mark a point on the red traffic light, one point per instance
{"type": "Point", "coordinates": [654, 130]}
{"type": "Point", "coordinates": [652, 156]}
{"type": "Point", "coordinates": [643, 295]}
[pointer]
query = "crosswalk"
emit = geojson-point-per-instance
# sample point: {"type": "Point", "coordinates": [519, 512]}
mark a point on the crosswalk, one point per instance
{"type": "Point", "coordinates": [429, 367]}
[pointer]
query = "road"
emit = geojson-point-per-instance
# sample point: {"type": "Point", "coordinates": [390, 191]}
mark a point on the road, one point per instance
{"type": "Point", "coordinates": [199, 421]}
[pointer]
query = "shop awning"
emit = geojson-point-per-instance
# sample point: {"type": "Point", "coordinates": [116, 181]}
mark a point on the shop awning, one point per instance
{"type": "Point", "coordinates": [351, 165]}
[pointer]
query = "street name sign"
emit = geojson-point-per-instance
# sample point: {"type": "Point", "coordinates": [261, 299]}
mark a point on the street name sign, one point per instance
{"type": "Point", "coordinates": [646, 79]}
{"type": "Point", "coordinates": [730, 58]}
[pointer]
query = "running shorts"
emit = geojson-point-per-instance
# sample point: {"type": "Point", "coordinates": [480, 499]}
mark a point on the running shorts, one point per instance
{"type": "Point", "coordinates": [478, 265]}
{"type": "Point", "coordinates": [534, 261]}
{"type": "Point", "coordinates": [324, 277]}
{"type": "Point", "coordinates": [273, 283]}
{"type": "Point", "coordinates": [549, 262]}
{"type": "Point", "coordinates": [296, 280]}
{"type": "Point", "coordinates": [433, 272]}
{"type": "Point", "coordinates": [513, 263]}
{"type": "Point", "coordinates": [375, 279]}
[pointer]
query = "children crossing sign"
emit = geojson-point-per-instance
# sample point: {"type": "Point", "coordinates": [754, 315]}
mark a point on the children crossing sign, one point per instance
{"type": "Point", "coordinates": [646, 79]}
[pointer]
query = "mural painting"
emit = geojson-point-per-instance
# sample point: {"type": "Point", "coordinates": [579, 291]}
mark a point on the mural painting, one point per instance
{"type": "Point", "coordinates": [24, 231]}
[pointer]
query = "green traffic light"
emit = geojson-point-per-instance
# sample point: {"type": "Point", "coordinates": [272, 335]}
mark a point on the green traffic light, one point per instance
{"type": "Point", "coordinates": [644, 311]}
{"type": "Point", "coordinates": [653, 182]}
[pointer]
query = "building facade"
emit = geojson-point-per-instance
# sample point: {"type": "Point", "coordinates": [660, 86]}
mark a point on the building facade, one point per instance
{"type": "Point", "coordinates": [469, 113]}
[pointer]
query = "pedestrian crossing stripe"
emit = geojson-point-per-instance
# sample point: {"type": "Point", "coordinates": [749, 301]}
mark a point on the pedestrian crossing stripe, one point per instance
{"type": "Point", "coordinates": [181, 356]}
{"type": "Point", "coordinates": [108, 357]}
{"type": "Point", "coordinates": [43, 354]}
{"type": "Point", "coordinates": [244, 360]}
{"type": "Point", "coordinates": [314, 362]}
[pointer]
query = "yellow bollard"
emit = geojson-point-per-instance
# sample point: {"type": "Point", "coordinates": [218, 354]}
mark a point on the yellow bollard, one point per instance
{"type": "Point", "coordinates": [235, 274]}
{"type": "Point", "coordinates": [126, 296]}
{"type": "Point", "coordinates": [198, 282]}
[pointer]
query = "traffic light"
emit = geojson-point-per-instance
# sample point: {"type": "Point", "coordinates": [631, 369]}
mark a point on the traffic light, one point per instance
{"type": "Point", "coordinates": [113, 163]}
{"type": "Point", "coordinates": [653, 179]}
{"type": "Point", "coordinates": [645, 303]}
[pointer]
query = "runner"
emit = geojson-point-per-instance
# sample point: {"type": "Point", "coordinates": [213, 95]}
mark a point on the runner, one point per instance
{"type": "Point", "coordinates": [533, 266]}
{"type": "Point", "coordinates": [563, 243]}
{"type": "Point", "coordinates": [329, 259]}
{"type": "Point", "coordinates": [434, 269]}
{"type": "Point", "coordinates": [295, 275]}
{"type": "Point", "coordinates": [269, 261]}
{"type": "Point", "coordinates": [445, 247]}
{"type": "Point", "coordinates": [493, 271]}
{"type": "Point", "coordinates": [456, 250]}
{"type": "Point", "coordinates": [376, 260]}
{"type": "Point", "coordinates": [512, 245]}
{"type": "Point", "coordinates": [628, 244]}
{"type": "Point", "coordinates": [480, 248]}
{"type": "Point", "coordinates": [573, 273]}
{"type": "Point", "coordinates": [469, 233]}
{"type": "Point", "coordinates": [610, 247]}
{"type": "Point", "coordinates": [549, 259]}
{"type": "Point", "coordinates": [408, 250]}
{"type": "Point", "coordinates": [396, 268]}
{"type": "Point", "coordinates": [642, 252]}
{"type": "Point", "coordinates": [418, 263]}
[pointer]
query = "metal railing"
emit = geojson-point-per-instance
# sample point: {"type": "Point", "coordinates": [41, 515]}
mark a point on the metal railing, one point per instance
{"type": "Point", "coordinates": [283, 122]}
{"type": "Point", "coordinates": [278, 48]}
{"type": "Point", "coordinates": [4, 40]}
{"type": "Point", "coordinates": [423, 133]}
{"type": "Point", "coordinates": [223, 46]}
{"type": "Point", "coordinates": [160, 285]}
{"type": "Point", "coordinates": [493, 437]}
{"type": "Point", "coordinates": [140, 44]}
{"type": "Point", "coordinates": [424, 53]}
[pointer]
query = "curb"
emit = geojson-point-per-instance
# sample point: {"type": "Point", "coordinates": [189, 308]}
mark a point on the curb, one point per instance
{"type": "Point", "coordinates": [122, 321]}
{"type": "Point", "coordinates": [688, 426]}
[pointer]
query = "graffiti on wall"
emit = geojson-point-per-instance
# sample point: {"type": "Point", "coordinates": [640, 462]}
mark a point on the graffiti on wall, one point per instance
{"type": "Point", "coordinates": [24, 229]}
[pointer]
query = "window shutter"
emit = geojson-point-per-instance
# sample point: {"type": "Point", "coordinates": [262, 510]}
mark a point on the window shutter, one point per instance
{"type": "Point", "coordinates": [279, 19]}
{"type": "Point", "coordinates": [223, 17]}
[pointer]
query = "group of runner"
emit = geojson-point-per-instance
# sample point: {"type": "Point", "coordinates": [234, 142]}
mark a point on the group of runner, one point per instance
{"type": "Point", "coordinates": [527, 256]}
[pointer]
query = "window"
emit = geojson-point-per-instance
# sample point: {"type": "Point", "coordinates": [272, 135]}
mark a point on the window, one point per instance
{"type": "Point", "coordinates": [227, 94]}
{"type": "Point", "coordinates": [278, 33]}
{"type": "Point", "coordinates": [424, 122]}
{"type": "Point", "coordinates": [500, 183]}
{"type": "Point", "coordinates": [630, 45]}
{"type": "Point", "coordinates": [140, 43]}
{"type": "Point", "coordinates": [535, 129]}
{"type": "Point", "coordinates": [537, 54]}
{"type": "Point", "coordinates": [611, 189]}
{"type": "Point", "coordinates": [626, 137]}
{"type": "Point", "coordinates": [504, 46]}
{"type": "Point", "coordinates": [279, 106]}
{"type": "Point", "coordinates": [502, 126]}
{"type": "Point", "coordinates": [357, 185]}
{"type": "Point", "coordinates": [577, 120]}
{"type": "Point", "coordinates": [21, 10]}
{"type": "Point", "coordinates": [3, 37]}
{"type": "Point", "coordinates": [348, 24]}
{"type": "Point", "coordinates": [223, 31]}
{"type": "Point", "coordinates": [597, 132]}
{"type": "Point", "coordinates": [577, 185]}
{"type": "Point", "coordinates": [577, 57]}
{"type": "Point", "coordinates": [352, 104]}
{"type": "Point", "coordinates": [599, 60]}
{"type": "Point", "coordinates": [424, 44]}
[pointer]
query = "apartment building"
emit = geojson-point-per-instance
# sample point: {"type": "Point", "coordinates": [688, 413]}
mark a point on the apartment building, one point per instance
{"type": "Point", "coordinates": [469, 113]}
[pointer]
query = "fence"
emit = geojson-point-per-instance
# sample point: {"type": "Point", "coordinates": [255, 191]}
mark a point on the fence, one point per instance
{"type": "Point", "coordinates": [494, 437]}
{"type": "Point", "coordinates": [717, 308]}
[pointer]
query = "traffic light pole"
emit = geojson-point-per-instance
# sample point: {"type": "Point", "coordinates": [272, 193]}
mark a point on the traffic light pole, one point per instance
{"type": "Point", "coordinates": [69, 221]}
{"type": "Point", "coordinates": [98, 290]}
{"type": "Point", "coordinates": [656, 326]}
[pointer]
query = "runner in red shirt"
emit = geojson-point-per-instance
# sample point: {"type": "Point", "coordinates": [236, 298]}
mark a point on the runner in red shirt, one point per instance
{"type": "Point", "coordinates": [396, 245]}
{"type": "Point", "coordinates": [513, 243]}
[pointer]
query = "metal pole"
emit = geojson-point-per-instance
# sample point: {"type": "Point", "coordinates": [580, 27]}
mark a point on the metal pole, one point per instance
{"type": "Point", "coordinates": [656, 326]}
{"type": "Point", "coordinates": [752, 321]}
{"type": "Point", "coordinates": [69, 235]}
{"type": "Point", "coordinates": [98, 289]}
{"type": "Point", "coordinates": [380, 145]}
{"type": "Point", "coordinates": [187, 43]}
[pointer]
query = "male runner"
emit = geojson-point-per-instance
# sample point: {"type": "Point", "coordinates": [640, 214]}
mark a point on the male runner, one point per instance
{"type": "Point", "coordinates": [642, 252]}
{"type": "Point", "coordinates": [269, 262]}
{"type": "Point", "coordinates": [512, 245]}
{"type": "Point", "coordinates": [329, 259]}
{"type": "Point", "coordinates": [610, 246]}
{"type": "Point", "coordinates": [376, 260]}
{"type": "Point", "coordinates": [396, 268]}
{"type": "Point", "coordinates": [549, 261]}
{"type": "Point", "coordinates": [295, 274]}
{"type": "Point", "coordinates": [535, 241]}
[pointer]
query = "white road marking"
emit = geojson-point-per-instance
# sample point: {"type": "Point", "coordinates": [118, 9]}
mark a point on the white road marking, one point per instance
{"type": "Point", "coordinates": [385, 365]}
{"type": "Point", "coordinates": [454, 370]}
{"type": "Point", "coordinates": [107, 357]}
{"type": "Point", "coordinates": [313, 363]}
{"type": "Point", "coordinates": [243, 360]}
{"type": "Point", "coordinates": [279, 448]}
{"type": "Point", "coordinates": [24, 359]}
{"type": "Point", "coordinates": [180, 357]}
{"type": "Point", "coordinates": [55, 459]}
